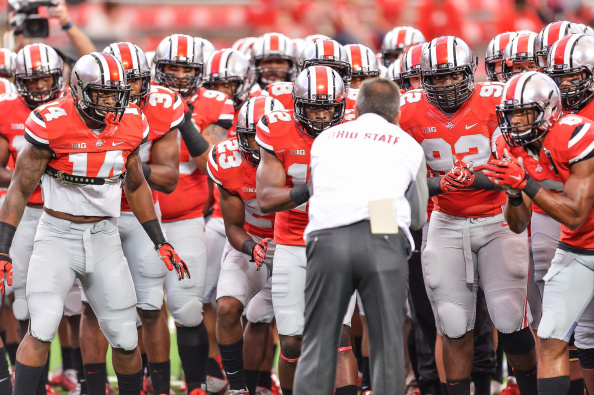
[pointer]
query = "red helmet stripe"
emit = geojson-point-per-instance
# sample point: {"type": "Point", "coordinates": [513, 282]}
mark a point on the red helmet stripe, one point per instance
{"type": "Point", "coordinates": [259, 108]}
{"type": "Point", "coordinates": [328, 47]}
{"type": "Point", "coordinates": [510, 92]}
{"type": "Point", "coordinates": [3, 58]}
{"type": "Point", "coordinates": [401, 37]}
{"type": "Point", "coordinates": [113, 69]}
{"type": "Point", "coordinates": [561, 47]}
{"type": "Point", "coordinates": [356, 57]}
{"type": "Point", "coordinates": [441, 51]}
{"type": "Point", "coordinates": [415, 55]}
{"type": "Point", "coordinates": [215, 63]}
{"type": "Point", "coordinates": [182, 46]}
{"type": "Point", "coordinates": [35, 55]}
{"type": "Point", "coordinates": [553, 34]}
{"type": "Point", "coordinates": [126, 56]}
{"type": "Point", "coordinates": [274, 42]}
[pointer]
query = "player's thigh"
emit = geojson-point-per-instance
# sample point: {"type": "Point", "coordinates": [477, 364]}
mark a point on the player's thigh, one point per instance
{"type": "Point", "coordinates": [543, 244]}
{"type": "Point", "coordinates": [584, 332]}
{"type": "Point", "coordinates": [109, 290]}
{"type": "Point", "coordinates": [73, 304]}
{"type": "Point", "coordinates": [503, 266]}
{"type": "Point", "coordinates": [215, 245]}
{"type": "Point", "coordinates": [147, 269]}
{"type": "Point", "coordinates": [20, 252]}
{"type": "Point", "coordinates": [568, 292]}
{"type": "Point", "coordinates": [184, 297]}
{"type": "Point", "coordinates": [444, 268]}
{"type": "Point", "coordinates": [288, 289]}
{"type": "Point", "coordinates": [239, 277]}
{"type": "Point", "coordinates": [259, 309]}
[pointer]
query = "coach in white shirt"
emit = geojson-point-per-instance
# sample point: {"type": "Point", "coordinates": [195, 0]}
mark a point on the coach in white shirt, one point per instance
{"type": "Point", "coordinates": [369, 184]}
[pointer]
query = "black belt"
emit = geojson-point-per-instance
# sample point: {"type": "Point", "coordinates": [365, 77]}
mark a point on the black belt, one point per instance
{"type": "Point", "coordinates": [63, 177]}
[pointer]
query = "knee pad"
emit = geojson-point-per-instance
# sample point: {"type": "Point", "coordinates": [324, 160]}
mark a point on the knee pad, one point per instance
{"type": "Point", "coordinates": [517, 343]}
{"type": "Point", "coordinates": [20, 309]}
{"type": "Point", "coordinates": [46, 314]}
{"type": "Point", "coordinates": [188, 314]}
{"type": "Point", "coordinates": [453, 319]}
{"type": "Point", "coordinates": [507, 313]}
{"type": "Point", "coordinates": [120, 333]}
{"type": "Point", "coordinates": [586, 357]}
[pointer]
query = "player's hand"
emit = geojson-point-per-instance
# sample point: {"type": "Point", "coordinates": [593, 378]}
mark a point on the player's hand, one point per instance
{"type": "Point", "coordinates": [172, 260]}
{"type": "Point", "coordinates": [59, 12]}
{"type": "Point", "coordinates": [259, 252]}
{"type": "Point", "coordinates": [5, 273]}
{"type": "Point", "coordinates": [508, 172]}
{"type": "Point", "coordinates": [458, 177]}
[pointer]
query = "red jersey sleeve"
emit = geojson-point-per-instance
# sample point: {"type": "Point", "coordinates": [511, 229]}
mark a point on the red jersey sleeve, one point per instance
{"type": "Point", "coordinates": [581, 144]}
{"type": "Point", "coordinates": [35, 129]}
{"type": "Point", "coordinates": [263, 135]}
{"type": "Point", "coordinates": [213, 166]}
{"type": "Point", "coordinates": [212, 108]}
{"type": "Point", "coordinates": [282, 91]}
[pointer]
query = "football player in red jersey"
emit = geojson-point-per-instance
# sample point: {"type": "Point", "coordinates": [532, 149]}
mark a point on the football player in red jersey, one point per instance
{"type": "Point", "coordinates": [454, 122]}
{"type": "Point", "coordinates": [38, 80]}
{"type": "Point", "coordinates": [549, 35]}
{"type": "Point", "coordinates": [81, 146]}
{"type": "Point", "coordinates": [494, 56]}
{"type": "Point", "coordinates": [397, 40]}
{"type": "Point", "coordinates": [363, 66]}
{"type": "Point", "coordinates": [530, 119]}
{"type": "Point", "coordinates": [285, 139]}
{"type": "Point", "coordinates": [232, 166]}
{"type": "Point", "coordinates": [164, 110]}
{"type": "Point", "coordinates": [178, 65]}
{"type": "Point", "coordinates": [411, 67]}
{"type": "Point", "coordinates": [519, 55]}
{"type": "Point", "coordinates": [274, 59]}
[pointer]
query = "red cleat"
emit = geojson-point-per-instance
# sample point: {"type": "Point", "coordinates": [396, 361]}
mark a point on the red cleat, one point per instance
{"type": "Point", "coordinates": [511, 388]}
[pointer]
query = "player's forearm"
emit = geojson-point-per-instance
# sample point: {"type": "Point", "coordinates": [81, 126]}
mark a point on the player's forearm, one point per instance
{"type": "Point", "coordinates": [14, 205]}
{"type": "Point", "coordinates": [274, 199]}
{"type": "Point", "coordinates": [141, 202]}
{"type": "Point", "coordinates": [5, 177]}
{"type": "Point", "coordinates": [236, 235]}
{"type": "Point", "coordinates": [163, 178]}
{"type": "Point", "coordinates": [81, 42]}
{"type": "Point", "coordinates": [201, 160]}
{"type": "Point", "coordinates": [561, 208]}
{"type": "Point", "coordinates": [517, 217]}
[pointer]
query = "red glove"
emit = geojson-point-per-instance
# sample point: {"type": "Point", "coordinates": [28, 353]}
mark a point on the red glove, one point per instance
{"type": "Point", "coordinates": [5, 272]}
{"type": "Point", "coordinates": [507, 173]}
{"type": "Point", "coordinates": [259, 252]}
{"type": "Point", "coordinates": [172, 260]}
{"type": "Point", "coordinates": [458, 177]}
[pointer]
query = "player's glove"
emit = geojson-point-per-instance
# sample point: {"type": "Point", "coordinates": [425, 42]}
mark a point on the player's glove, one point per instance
{"type": "Point", "coordinates": [5, 273]}
{"type": "Point", "coordinates": [510, 174]}
{"type": "Point", "coordinates": [259, 252]}
{"type": "Point", "coordinates": [172, 260]}
{"type": "Point", "coordinates": [458, 177]}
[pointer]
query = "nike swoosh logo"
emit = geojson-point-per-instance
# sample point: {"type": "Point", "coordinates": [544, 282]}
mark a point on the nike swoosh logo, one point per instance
{"type": "Point", "coordinates": [91, 372]}
{"type": "Point", "coordinates": [471, 126]}
{"type": "Point", "coordinates": [504, 224]}
{"type": "Point", "coordinates": [232, 373]}
{"type": "Point", "coordinates": [113, 143]}
{"type": "Point", "coordinates": [516, 177]}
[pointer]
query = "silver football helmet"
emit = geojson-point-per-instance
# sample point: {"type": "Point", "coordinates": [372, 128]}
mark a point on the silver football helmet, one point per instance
{"type": "Point", "coordinates": [363, 61]}
{"type": "Point", "coordinates": [520, 49]}
{"type": "Point", "coordinates": [35, 61]}
{"type": "Point", "coordinates": [327, 53]}
{"type": "Point", "coordinates": [394, 72]}
{"type": "Point", "coordinates": [530, 105]}
{"type": "Point", "coordinates": [207, 47]}
{"type": "Point", "coordinates": [549, 34]}
{"type": "Point", "coordinates": [494, 56]}
{"type": "Point", "coordinates": [274, 46]}
{"type": "Point", "coordinates": [570, 65]}
{"type": "Point", "coordinates": [247, 119]}
{"type": "Point", "coordinates": [231, 66]}
{"type": "Point", "coordinates": [7, 63]}
{"type": "Point", "coordinates": [318, 86]}
{"type": "Point", "coordinates": [96, 77]}
{"type": "Point", "coordinates": [183, 51]}
{"type": "Point", "coordinates": [397, 40]}
{"type": "Point", "coordinates": [137, 67]}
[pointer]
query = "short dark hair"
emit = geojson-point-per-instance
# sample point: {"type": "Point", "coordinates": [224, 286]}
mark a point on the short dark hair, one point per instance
{"type": "Point", "coordinates": [379, 96]}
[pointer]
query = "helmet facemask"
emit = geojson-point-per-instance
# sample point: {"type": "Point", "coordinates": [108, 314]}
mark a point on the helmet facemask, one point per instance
{"type": "Point", "coordinates": [140, 98]}
{"type": "Point", "coordinates": [270, 74]}
{"type": "Point", "coordinates": [93, 99]}
{"type": "Point", "coordinates": [533, 127]}
{"type": "Point", "coordinates": [185, 86]}
{"type": "Point", "coordinates": [576, 95]}
{"type": "Point", "coordinates": [313, 127]}
{"type": "Point", "coordinates": [244, 134]}
{"type": "Point", "coordinates": [35, 98]}
{"type": "Point", "coordinates": [448, 98]}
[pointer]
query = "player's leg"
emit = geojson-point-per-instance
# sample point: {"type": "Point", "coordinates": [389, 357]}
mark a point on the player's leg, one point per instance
{"type": "Point", "coordinates": [93, 346]}
{"type": "Point", "coordinates": [259, 314]}
{"type": "Point", "coordinates": [12, 329]}
{"type": "Point", "coordinates": [346, 366]}
{"type": "Point", "coordinates": [239, 282]}
{"type": "Point", "coordinates": [584, 341]}
{"type": "Point", "coordinates": [452, 298]}
{"type": "Point", "coordinates": [364, 367]}
{"type": "Point", "coordinates": [328, 290]}
{"type": "Point", "coordinates": [568, 292]}
{"type": "Point", "coordinates": [184, 298]}
{"type": "Point", "coordinates": [20, 251]}
{"type": "Point", "coordinates": [288, 284]}
{"type": "Point", "coordinates": [72, 312]}
{"type": "Point", "coordinates": [58, 250]}
{"type": "Point", "coordinates": [5, 382]}
{"type": "Point", "coordinates": [503, 266]}
{"type": "Point", "coordinates": [148, 273]}
{"type": "Point", "coordinates": [215, 244]}
{"type": "Point", "coordinates": [109, 289]}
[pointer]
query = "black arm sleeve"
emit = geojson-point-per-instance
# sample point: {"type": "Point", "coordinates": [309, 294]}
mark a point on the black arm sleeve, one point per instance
{"type": "Point", "coordinates": [433, 186]}
{"type": "Point", "coordinates": [482, 182]}
{"type": "Point", "coordinates": [196, 144]}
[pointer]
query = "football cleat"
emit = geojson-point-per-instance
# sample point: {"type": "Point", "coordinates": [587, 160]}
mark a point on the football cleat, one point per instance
{"type": "Point", "coordinates": [216, 386]}
{"type": "Point", "coordinates": [69, 379]}
{"type": "Point", "coordinates": [50, 390]}
{"type": "Point", "coordinates": [511, 388]}
{"type": "Point", "coordinates": [263, 391]}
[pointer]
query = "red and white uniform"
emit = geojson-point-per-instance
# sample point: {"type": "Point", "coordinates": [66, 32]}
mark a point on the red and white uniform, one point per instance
{"type": "Point", "coordinates": [229, 171]}
{"type": "Point", "coordinates": [182, 216]}
{"type": "Point", "coordinates": [468, 222]}
{"type": "Point", "coordinates": [92, 252]}
{"type": "Point", "coordinates": [164, 112]}
{"type": "Point", "coordinates": [278, 133]}
{"type": "Point", "coordinates": [351, 99]}
{"type": "Point", "coordinates": [13, 114]}
{"type": "Point", "coordinates": [281, 91]}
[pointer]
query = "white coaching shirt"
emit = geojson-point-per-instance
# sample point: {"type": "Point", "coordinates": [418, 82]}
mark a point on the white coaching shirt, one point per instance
{"type": "Point", "coordinates": [357, 162]}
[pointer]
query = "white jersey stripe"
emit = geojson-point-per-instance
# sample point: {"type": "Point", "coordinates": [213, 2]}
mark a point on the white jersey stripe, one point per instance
{"type": "Point", "coordinates": [584, 153]}
{"type": "Point", "coordinates": [264, 145]}
{"type": "Point", "coordinates": [575, 139]}
{"type": "Point", "coordinates": [35, 137]}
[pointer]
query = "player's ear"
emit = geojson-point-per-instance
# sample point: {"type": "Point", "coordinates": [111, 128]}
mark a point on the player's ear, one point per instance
{"type": "Point", "coordinates": [356, 112]}
{"type": "Point", "coordinates": [396, 118]}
